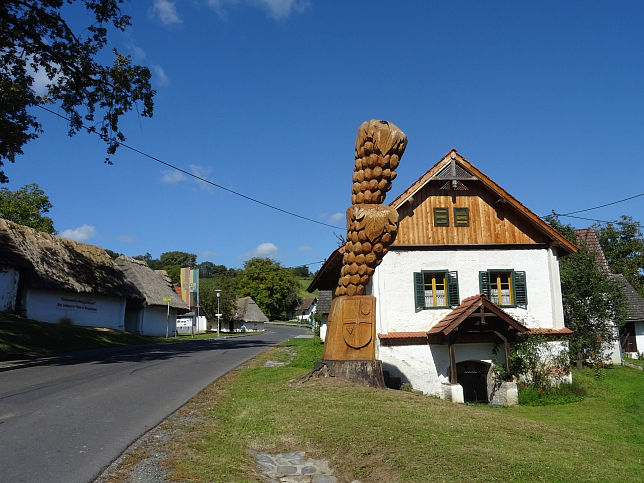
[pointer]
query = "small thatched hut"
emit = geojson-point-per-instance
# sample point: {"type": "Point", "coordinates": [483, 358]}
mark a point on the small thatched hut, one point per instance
{"type": "Point", "coordinates": [154, 315]}
{"type": "Point", "coordinates": [247, 315]}
{"type": "Point", "coordinates": [57, 279]}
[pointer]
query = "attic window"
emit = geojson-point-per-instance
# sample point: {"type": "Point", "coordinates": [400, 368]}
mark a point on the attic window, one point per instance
{"type": "Point", "coordinates": [461, 217]}
{"type": "Point", "coordinates": [441, 217]}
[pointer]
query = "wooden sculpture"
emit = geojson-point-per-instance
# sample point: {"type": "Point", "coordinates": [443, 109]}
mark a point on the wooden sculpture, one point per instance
{"type": "Point", "coordinates": [371, 228]}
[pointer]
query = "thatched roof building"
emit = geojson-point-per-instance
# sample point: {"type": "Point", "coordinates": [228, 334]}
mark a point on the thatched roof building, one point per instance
{"type": "Point", "coordinates": [54, 263]}
{"type": "Point", "coordinates": [153, 286]}
{"type": "Point", "coordinates": [248, 311]}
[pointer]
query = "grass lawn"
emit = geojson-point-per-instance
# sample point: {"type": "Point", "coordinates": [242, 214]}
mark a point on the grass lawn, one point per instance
{"type": "Point", "coordinates": [387, 435]}
{"type": "Point", "coordinates": [27, 338]}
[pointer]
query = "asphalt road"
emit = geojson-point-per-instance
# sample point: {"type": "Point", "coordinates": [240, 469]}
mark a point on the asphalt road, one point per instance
{"type": "Point", "coordinates": [65, 420]}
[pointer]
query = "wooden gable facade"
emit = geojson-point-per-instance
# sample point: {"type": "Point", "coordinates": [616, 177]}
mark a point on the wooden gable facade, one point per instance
{"type": "Point", "coordinates": [454, 203]}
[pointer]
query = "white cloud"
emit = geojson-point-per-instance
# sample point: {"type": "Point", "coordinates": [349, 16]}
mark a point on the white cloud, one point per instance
{"type": "Point", "coordinates": [160, 75]}
{"type": "Point", "coordinates": [305, 249]}
{"type": "Point", "coordinates": [138, 53]}
{"type": "Point", "coordinates": [336, 217]}
{"type": "Point", "coordinates": [202, 172]}
{"type": "Point", "coordinates": [82, 233]}
{"type": "Point", "coordinates": [262, 250]}
{"type": "Point", "coordinates": [127, 239]}
{"type": "Point", "coordinates": [166, 11]}
{"type": "Point", "coordinates": [277, 9]}
{"type": "Point", "coordinates": [170, 176]}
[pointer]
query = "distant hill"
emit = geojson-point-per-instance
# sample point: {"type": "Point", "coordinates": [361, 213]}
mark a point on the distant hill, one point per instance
{"type": "Point", "coordinates": [304, 282]}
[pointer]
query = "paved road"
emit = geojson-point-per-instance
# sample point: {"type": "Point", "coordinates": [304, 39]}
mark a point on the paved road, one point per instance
{"type": "Point", "coordinates": [67, 419]}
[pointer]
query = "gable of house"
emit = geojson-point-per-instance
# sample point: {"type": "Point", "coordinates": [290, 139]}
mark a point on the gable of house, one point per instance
{"type": "Point", "coordinates": [456, 206]}
{"type": "Point", "coordinates": [454, 203]}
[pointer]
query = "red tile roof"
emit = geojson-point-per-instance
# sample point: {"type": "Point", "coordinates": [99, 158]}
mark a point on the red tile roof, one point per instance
{"type": "Point", "coordinates": [403, 335]}
{"type": "Point", "coordinates": [588, 237]}
{"type": "Point", "coordinates": [467, 307]}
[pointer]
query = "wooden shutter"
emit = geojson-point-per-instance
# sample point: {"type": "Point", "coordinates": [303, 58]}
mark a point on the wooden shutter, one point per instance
{"type": "Point", "coordinates": [441, 217]}
{"type": "Point", "coordinates": [419, 290]}
{"type": "Point", "coordinates": [520, 290]}
{"type": "Point", "coordinates": [452, 282]}
{"type": "Point", "coordinates": [484, 283]}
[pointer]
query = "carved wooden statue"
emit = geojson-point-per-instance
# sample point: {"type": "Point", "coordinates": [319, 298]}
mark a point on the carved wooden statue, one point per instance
{"type": "Point", "coordinates": [371, 228]}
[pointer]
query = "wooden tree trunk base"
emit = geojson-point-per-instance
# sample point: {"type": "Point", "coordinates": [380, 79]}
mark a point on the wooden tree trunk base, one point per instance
{"type": "Point", "coordinates": [368, 373]}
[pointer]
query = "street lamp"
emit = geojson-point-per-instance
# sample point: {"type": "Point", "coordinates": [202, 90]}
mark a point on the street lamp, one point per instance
{"type": "Point", "coordinates": [218, 314]}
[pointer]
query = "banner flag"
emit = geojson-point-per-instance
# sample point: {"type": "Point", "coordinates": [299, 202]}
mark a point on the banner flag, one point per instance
{"type": "Point", "coordinates": [189, 286]}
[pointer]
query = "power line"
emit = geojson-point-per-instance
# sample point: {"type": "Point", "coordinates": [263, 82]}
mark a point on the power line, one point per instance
{"type": "Point", "coordinates": [601, 206]}
{"type": "Point", "coordinates": [307, 264]}
{"type": "Point", "coordinates": [583, 218]}
{"type": "Point", "coordinates": [188, 173]}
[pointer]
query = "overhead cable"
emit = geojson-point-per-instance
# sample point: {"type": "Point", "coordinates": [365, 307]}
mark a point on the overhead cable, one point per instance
{"type": "Point", "coordinates": [188, 173]}
{"type": "Point", "coordinates": [601, 206]}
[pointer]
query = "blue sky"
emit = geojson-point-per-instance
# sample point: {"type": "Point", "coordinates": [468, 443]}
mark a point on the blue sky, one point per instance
{"type": "Point", "coordinates": [265, 97]}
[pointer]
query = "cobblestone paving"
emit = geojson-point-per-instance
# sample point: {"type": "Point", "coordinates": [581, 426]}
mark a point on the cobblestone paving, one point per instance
{"type": "Point", "coordinates": [295, 468]}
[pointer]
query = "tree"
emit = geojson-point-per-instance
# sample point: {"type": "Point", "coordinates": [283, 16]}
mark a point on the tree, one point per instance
{"type": "Point", "coordinates": [623, 246]}
{"type": "Point", "coordinates": [153, 263]}
{"type": "Point", "coordinates": [209, 269]}
{"type": "Point", "coordinates": [27, 206]}
{"type": "Point", "coordinates": [302, 271]}
{"type": "Point", "coordinates": [182, 259]}
{"type": "Point", "coordinates": [271, 286]}
{"type": "Point", "coordinates": [208, 297]}
{"type": "Point", "coordinates": [592, 301]}
{"type": "Point", "coordinates": [36, 40]}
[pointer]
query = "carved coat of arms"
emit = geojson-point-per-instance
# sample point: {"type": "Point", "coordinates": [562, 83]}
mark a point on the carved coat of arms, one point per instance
{"type": "Point", "coordinates": [357, 327]}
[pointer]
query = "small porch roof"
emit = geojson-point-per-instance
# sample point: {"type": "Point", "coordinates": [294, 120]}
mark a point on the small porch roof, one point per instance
{"type": "Point", "coordinates": [468, 308]}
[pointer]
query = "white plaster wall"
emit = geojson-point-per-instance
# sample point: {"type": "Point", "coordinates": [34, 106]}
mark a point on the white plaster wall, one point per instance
{"type": "Point", "coordinates": [154, 321]}
{"type": "Point", "coordinates": [614, 352]}
{"type": "Point", "coordinates": [639, 336]}
{"type": "Point", "coordinates": [393, 285]}
{"type": "Point", "coordinates": [8, 288]}
{"type": "Point", "coordinates": [426, 367]}
{"type": "Point", "coordinates": [86, 310]}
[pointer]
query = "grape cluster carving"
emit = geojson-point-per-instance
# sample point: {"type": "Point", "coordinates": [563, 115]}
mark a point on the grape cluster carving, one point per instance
{"type": "Point", "coordinates": [371, 226]}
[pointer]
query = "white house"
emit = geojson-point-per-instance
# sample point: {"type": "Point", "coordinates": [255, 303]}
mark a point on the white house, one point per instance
{"type": "Point", "coordinates": [53, 279]}
{"type": "Point", "coordinates": [470, 266]}
{"type": "Point", "coordinates": [248, 316]}
{"type": "Point", "coordinates": [632, 333]}
{"type": "Point", "coordinates": [157, 313]}
{"type": "Point", "coordinates": [305, 309]}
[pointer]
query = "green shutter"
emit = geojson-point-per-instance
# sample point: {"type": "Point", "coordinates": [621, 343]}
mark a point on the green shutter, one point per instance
{"type": "Point", "coordinates": [484, 283]}
{"type": "Point", "coordinates": [419, 290]}
{"type": "Point", "coordinates": [461, 217]}
{"type": "Point", "coordinates": [520, 290]}
{"type": "Point", "coordinates": [452, 283]}
{"type": "Point", "coordinates": [441, 217]}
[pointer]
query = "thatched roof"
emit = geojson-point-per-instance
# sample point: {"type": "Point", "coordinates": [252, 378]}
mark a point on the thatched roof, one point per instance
{"type": "Point", "coordinates": [55, 263]}
{"type": "Point", "coordinates": [249, 311]}
{"type": "Point", "coordinates": [154, 286]}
